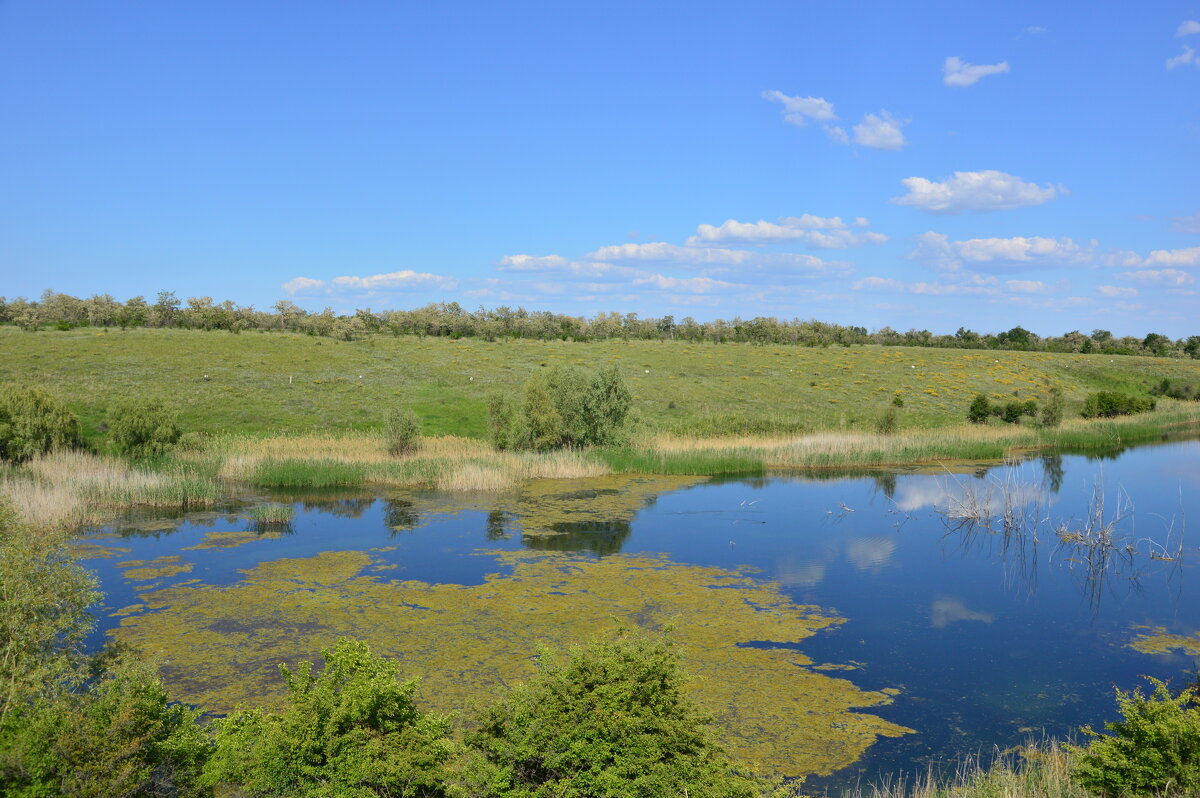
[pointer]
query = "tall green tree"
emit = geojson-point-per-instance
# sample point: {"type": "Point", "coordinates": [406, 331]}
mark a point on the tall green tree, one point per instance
{"type": "Point", "coordinates": [33, 422]}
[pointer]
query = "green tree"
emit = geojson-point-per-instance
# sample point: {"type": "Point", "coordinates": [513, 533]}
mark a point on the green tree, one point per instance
{"type": "Point", "coordinates": [980, 410]}
{"type": "Point", "coordinates": [563, 406]}
{"type": "Point", "coordinates": [142, 428]}
{"type": "Point", "coordinates": [1155, 750]}
{"type": "Point", "coordinates": [1052, 411]}
{"type": "Point", "coordinates": [33, 422]}
{"type": "Point", "coordinates": [351, 730]}
{"type": "Point", "coordinates": [610, 720]}
{"type": "Point", "coordinates": [402, 431]}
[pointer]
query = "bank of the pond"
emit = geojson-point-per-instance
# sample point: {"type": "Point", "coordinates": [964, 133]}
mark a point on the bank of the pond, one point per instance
{"type": "Point", "coordinates": [71, 489]}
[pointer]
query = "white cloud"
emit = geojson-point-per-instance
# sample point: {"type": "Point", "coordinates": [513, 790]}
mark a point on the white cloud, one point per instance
{"type": "Point", "coordinates": [878, 284]}
{"type": "Point", "coordinates": [1164, 277]}
{"type": "Point", "coordinates": [1187, 28]}
{"type": "Point", "coordinates": [1035, 30]}
{"type": "Point", "coordinates": [799, 110]}
{"type": "Point", "coordinates": [1188, 56]}
{"type": "Point", "coordinates": [303, 285]}
{"type": "Point", "coordinates": [1176, 258]}
{"type": "Point", "coordinates": [532, 263]}
{"type": "Point", "coordinates": [690, 285]}
{"type": "Point", "coordinates": [880, 132]}
{"type": "Point", "coordinates": [939, 252]}
{"type": "Point", "coordinates": [816, 231]}
{"type": "Point", "coordinates": [1186, 224]}
{"type": "Point", "coordinates": [403, 279]}
{"type": "Point", "coordinates": [1026, 286]}
{"type": "Point", "coordinates": [715, 256]}
{"type": "Point", "coordinates": [1115, 290]}
{"type": "Point", "coordinates": [983, 191]}
{"type": "Point", "coordinates": [838, 134]}
{"type": "Point", "coordinates": [957, 72]}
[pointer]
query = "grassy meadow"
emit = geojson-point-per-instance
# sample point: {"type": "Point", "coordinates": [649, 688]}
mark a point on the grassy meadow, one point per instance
{"type": "Point", "coordinates": [282, 410]}
{"type": "Point", "coordinates": [266, 383]}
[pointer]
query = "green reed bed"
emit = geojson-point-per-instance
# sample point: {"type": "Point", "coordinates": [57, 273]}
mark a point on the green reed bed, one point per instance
{"type": "Point", "coordinates": [691, 463]}
{"type": "Point", "coordinates": [307, 473]}
{"type": "Point", "coordinates": [267, 514]}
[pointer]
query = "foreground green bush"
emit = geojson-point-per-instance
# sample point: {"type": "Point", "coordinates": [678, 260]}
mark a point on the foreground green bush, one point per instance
{"type": "Point", "coordinates": [1106, 404]}
{"type": "Point", "coordinates": [351, 730]}
{"type": "Point", "coordinates": [143, 428]}
{"type": "Point", "coordinates": [1155, 750]}
{"type": "Point", "coordinates": [610, 721]}
{"type": "Point", "coordinates": [69, 724]}
{"type": "Point", "coordinates": [34, 422]}
{"type": "Point", "coordinates": [562, 407]}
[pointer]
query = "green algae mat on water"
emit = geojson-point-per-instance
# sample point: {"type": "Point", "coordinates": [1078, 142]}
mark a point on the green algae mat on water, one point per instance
{"type": "Point", "coordinates": [219, 645]}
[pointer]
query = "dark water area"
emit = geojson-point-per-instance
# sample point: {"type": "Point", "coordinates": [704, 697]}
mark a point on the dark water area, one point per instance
{"type": "Point", "coordinates": [993, 634]}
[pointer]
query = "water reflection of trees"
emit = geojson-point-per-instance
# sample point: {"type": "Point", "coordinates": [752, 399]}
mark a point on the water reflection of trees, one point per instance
{"type": "Point", "coordinates": [596, 537]}
{"type": "Point", "coordinates": [400, 515]}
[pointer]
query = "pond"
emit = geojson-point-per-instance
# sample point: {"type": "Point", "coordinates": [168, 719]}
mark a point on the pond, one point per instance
{"type": "Point", "coordinates": [837, 625]}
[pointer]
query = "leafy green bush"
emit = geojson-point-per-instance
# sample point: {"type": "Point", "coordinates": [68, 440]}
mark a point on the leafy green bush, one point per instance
{"type": "Point", "coordinates": [1177, 389]}
{"type": "Point", "coordinates": [402, 431]}
{"type": "Point", "coordinates": [33, 422]}
{"type": "Point", "coordinates": [352, 729]}
{"type": "Point", "coordinates": [1052, 411]}
{"type": "Point", "coordinates": [563, 406]}
{"type": "Point", "coordinates": [888, 423]}
{"type": "Point", "coordinates": [1155, 750]}
{"type": "Point", "coordinates": [611, 721]}
{"type": "Point", "coordinates": [980, 410]}
{"type": "Point", "coordinates": [1110, 403]}
{"type": "Point", "coordinates": [143, 428]}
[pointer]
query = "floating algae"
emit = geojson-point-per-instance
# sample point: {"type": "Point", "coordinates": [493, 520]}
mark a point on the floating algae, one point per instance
{"type": "Point", "coordinates": [1157, 640]}
{"type": "Point", "coordinates": [221, 645]}
{"type": "Point", "coordinates": [88, 550]}
{"type": "Point", "coordinates": [233, 539]}
{"type": "Point", "coordinates": [158, 568]}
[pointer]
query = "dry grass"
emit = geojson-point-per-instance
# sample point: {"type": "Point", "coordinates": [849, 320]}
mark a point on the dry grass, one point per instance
{"type": "Point", "coordinates": [69, 489]}
{"type": "Point", "coordinates": [1034, 771]}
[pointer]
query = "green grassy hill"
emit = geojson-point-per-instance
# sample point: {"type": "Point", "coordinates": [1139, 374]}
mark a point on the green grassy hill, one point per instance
{"type": "Point", "coordinates": [270, 382]}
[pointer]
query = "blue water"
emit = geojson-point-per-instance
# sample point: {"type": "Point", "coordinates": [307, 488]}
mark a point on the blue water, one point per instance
{"type": "Point", "coordinates": [993, 638]}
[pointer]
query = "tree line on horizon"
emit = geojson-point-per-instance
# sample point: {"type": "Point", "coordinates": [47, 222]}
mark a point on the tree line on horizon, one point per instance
{"type": "Point", "coordinates": [449, 319]}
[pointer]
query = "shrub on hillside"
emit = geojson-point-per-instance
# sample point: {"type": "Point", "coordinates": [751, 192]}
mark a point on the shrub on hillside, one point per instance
{"type": "Point", "coordinates": [562, 407]}
{"type": "Point", "coordinates": [980, 410]}
{"type": "Point", "coordinates": [143, 428]}
{"type": "Point", "coordinates": [1176, 390]}
{"type": "Point", "coordinates": [1052, 411]}
{"type": "Point", "coordinates": [402, 431]}
{"type": "Point", "coordinates": [33, 422]}
{"type": "Point", "coordinates": [888, 423]}
{"type": "Point", "coordinates": [1155, 750]}
{"type": "Point", "coordinates": [1105, 404]}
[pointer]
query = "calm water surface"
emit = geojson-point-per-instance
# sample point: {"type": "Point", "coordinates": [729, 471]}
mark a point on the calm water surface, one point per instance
{"type": "Point", "coordinates": [992, 637]}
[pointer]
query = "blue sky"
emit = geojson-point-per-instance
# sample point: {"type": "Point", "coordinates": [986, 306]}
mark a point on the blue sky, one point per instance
{"type": "Point", "coordinates": [932, 165]}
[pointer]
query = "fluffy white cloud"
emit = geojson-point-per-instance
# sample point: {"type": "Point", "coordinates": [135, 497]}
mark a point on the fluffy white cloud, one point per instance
{"type": "Point", "coordinates": [983, 191]}
{"type": "Point", "coordinates": [939, 252]}
{"type": "Point", "coordinates": [1158, 277]}
{"type": "Point", "coordinates": [880, 132]}
{"type": "Point", "coordinates": [1175, 258]}
{"type": "Point", "coordinates": [403, 279]}
{"type": "Point", "coordinates": [1026, 286]}
{"type": "Point", "coordinates": [303, 285]}
{"type": "Point", "coordinates": [1188, 27]}
{"type": "Point", "coordinates": [556, 263]}
{"type": "Point", "coordinates": [1115, 291]}
{"type": "Point", "coordinates": [1187, 57]}
{"type": "Point", "coordinates": [957, 72]}
{"type": "Point", "coordinates": [816, 231]}
{"type": "Point", "coordinates": [799, 110]}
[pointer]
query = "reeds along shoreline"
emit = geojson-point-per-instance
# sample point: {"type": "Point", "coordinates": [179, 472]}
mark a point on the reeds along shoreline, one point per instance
{"type": "Point", "coordinates": [1037, 770]}
{"type": "Point", "coordinates": [72, 489]}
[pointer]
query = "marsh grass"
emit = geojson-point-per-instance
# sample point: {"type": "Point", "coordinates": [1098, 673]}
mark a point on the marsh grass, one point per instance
{"type": "Point", "coordinates": [70, 489]}
{"type": "Point", "coordinates": [689, 462]}
{"type": "Point", "coordinates": [268, 514]}
{"type": "Point", "coordinates": [1039, 770]}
